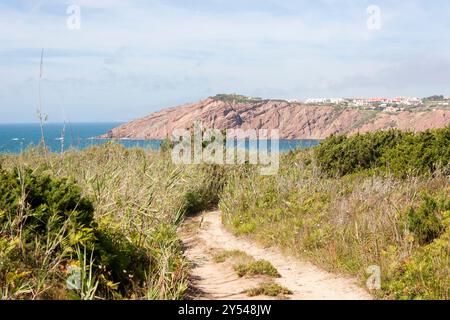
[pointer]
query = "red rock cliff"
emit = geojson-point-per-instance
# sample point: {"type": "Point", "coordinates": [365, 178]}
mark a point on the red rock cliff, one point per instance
{"type": "Point", "coordinates": [294, 120]}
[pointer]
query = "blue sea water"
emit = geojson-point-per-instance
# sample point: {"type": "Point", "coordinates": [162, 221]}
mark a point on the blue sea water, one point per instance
{"type": "Point", "coordinates": [15, 138]}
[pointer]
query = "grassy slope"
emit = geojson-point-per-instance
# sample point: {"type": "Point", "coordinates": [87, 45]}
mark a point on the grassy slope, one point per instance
{"type": "Point", "coordinates": [344, 224]}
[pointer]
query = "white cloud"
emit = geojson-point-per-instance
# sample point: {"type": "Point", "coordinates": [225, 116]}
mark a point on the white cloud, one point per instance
{"type": "Point", "coordinates": [153, 53]}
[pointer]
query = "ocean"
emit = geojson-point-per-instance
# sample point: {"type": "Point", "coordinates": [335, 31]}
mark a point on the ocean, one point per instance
{"type": "Point", "coordinates": [15, 138]}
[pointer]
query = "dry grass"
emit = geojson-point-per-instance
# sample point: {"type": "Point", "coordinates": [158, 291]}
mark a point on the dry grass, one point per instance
{"type": "Point", "coordinates": [246, 265]}
{"type": "Point", "coordinates": [235, 255]}
{"type": "Point", "coordinates": [270, 289]}
{"type": "Point", "coordinates": [140, 195]}
{"type": "Point", "coordinates": [256, 268]}
{"type": "Point", "coordinates": [342, 224]}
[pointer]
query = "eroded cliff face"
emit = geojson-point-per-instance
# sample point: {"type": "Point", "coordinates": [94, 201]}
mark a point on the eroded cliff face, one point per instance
{"type": "Point", "coordinates": [294, 120]}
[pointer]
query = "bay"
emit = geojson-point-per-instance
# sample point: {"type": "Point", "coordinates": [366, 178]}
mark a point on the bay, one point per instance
{"type": "Point", "coordinates": [15, 138]}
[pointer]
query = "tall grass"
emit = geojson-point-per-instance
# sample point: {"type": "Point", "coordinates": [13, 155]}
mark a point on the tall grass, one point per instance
{"type": "Point", "coordinates": [139, 196]}
{"type": "Point", "coordinates": [130, 248]}
{"type": "Point", "coordinates": [346, 224]}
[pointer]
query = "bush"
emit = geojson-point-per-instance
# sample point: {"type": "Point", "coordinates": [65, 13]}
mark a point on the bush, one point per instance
{"type": "Point", "coordinates": [205, 193]}
{"type": "Point", "coordinates": [346, 224]}
{"type": "Point", "coordinates": [425, 222]}
{"type": "Point", "coordinates": [400, 153]}
{"type": "Point", "coordinates": [424, 276]}
{"type": "Point", "coordinates": [419, 154]}
{"type": "Point", "coordinates": [270, 289]}
{"type": "Point", "coordinates": [131, 250]}
{"type": "Point", "coordinates": [341, 155]}
{"type": "Point", "coordinates": [259, 267]}
{"type": "Point", "coordinates": [45, 203]}
{"type": "Point", "coordinates": [51, 221]}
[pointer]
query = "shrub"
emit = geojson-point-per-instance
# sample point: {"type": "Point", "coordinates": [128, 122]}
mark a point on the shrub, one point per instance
{"type": "Point", "coordinates": [425, 222]}
{"type": "Point", "coordinates": [51, 220]}
{"type": "Point", "coordinates": [231, 254]}
{"type": "Point", "coordinates": [346, 224]}
{"type": "Point", "coordinates": [45, 203]}
{"type": "Point", "coordinates": [270, 289]}
{"type": "Point", "coordinates": [259, 267]}
{"type": "Point", "coordinates": [426, 275]}
{"type": "Point", "coordinates": [420, 154]}
{"type": "Point", "coordinates": [132, 245]}
{"type": "Point", "coordinates": [341, 155]}
{"type": "Point", "coordinates": [205, 193]}
{"type": "Point", "coordinates": [400, 153]}
{"type": "Point", "coordinates": [119, 261]}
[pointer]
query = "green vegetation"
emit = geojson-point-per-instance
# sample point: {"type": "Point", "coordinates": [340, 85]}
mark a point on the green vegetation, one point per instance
{"type": "Point", "coordinates": [106, 215]}
{"type": "Point", "coordinates": [401, 153]}
{"type": "Point", "coordinates": [435, 98]}
{"type": "Point", "coordinates": [366, 117]}
{"type": "Point", "coordinates": [246, 265]}
{"type": "Point", "coordinates": [102, 223]}
{"type": "Point", "coordinates": [234, 98]}
{"type": "Point", "coordinates": [232, 254]}
{"type": "Point", "coordinates": [270, 289]}
{"type": "Point", "coordinates": [427, 221]}
{"type": "Point", "coordinates": [345, 207]}
{"type": "Point", "coordinates": [258, 267]}
{"type": "Point", "coordinates": [425, 275]}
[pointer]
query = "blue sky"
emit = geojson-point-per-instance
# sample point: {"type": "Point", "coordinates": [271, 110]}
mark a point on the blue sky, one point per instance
{"type": "Point", "coordinates": [133, 57]}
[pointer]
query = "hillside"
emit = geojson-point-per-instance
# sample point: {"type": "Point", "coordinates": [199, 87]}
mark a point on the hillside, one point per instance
{"type": "Point", "coordinates": [294, 120]}
{"type": "Point", "coordinates": [367, 211]}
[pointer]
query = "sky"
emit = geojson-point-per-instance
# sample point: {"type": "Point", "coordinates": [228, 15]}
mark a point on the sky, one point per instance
{"type": "Point", "coordinates": [130, 58]}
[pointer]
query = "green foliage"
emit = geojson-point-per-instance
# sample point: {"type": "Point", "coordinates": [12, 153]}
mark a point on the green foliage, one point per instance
{"type": "Point", "coordinates": [119, 261]}
{"type": "Point", "coordinates": [244, 264]}
{"type": "Point", "coordinates": [46, 209]}
{"type": "Point", "coordinates": [435, 98]}
{"type": "Point", "coordinates": [400, 153]}
{"type": "Point", "coordinates": [349, 223]}
{"type": "Point", "coordinates": [419, 154]}
{"type": "Point", "coordinates": [231, 254]}
{"type": "Point", "coordinates": [139, 198]}
{"type": "Point", "coordinates": [43, 221]}
{"type": "Point", "coordinates": [259, 267]}
{"type": "Point", "coordinates": [166, 145]}
{"type": "Point", "coordinates": [234, 98]}
{"type": "Point", "coordinates": [425, 276]}
{"type": "Point", "coordinates": [41, 204]}
{"type": "Point", "coordinates": [48, 202]}
{"type": "Point", "coordinates": [270, 289]}
{"type": "Point", "coordinates": [205, 194]}
{"type": "Point", "coordinates": [425, 222]}
{"type": "Point", "coordinates": [168, 278]}
{"type": "Point", "coordinates": [244, 228]}
{"type": "Point", "coordinates": [341, 155]}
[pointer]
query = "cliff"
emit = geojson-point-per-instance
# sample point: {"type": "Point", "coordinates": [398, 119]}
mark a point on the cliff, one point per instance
{"type": "Point", "coordinates": [294, 120]}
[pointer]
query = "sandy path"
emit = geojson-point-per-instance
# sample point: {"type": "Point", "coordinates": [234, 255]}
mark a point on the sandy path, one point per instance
{"type": "Point", "coordinates": [204, 235]}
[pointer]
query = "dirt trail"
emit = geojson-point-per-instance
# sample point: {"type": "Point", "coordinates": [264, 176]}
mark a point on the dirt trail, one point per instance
{"type": "Point", "coordinates": [204, 236]}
